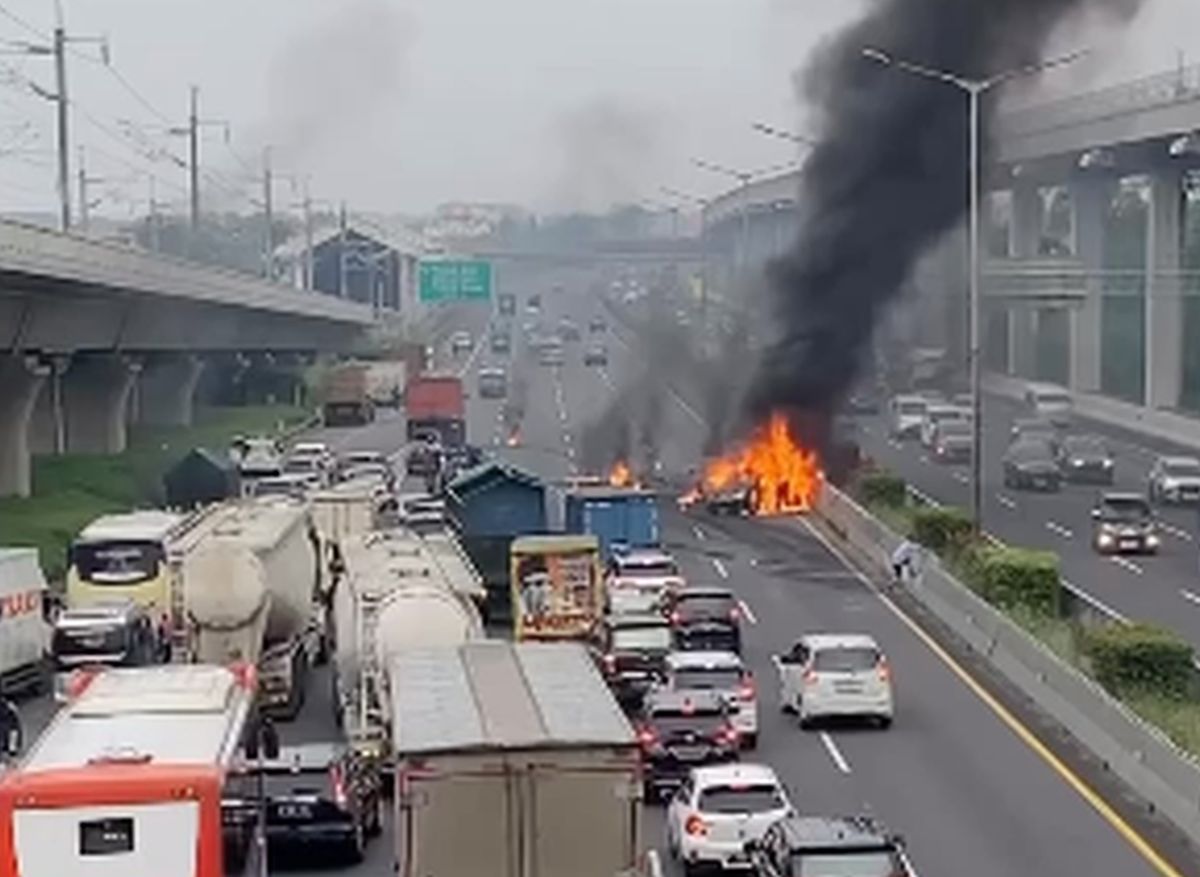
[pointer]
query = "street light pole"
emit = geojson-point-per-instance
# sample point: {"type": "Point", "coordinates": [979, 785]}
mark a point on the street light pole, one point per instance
{"type": "Point", "coordinates": [975, 89]}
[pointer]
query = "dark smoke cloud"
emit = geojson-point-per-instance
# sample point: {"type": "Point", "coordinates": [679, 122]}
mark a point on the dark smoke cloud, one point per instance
{"type": "Point", "coordinates": [887, 180]}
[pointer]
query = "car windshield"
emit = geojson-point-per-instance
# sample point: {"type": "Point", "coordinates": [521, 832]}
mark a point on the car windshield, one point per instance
{"type": "Point", "coordinates": [848, 864]}
{"type": "Point", "coordinates": [1133, 509]}
{"type": "Point", "coordinates": [656, 636]}
{"type": "Point", "coordinates": [1032, 427]}
{"type": "Point", "coordinates": [705, 606]}
{"type": "Point", "coordinates": [1187, 468]}
{"type": "Point", "coordinates": [668, 724]}
{"type": "Point", "coordinates": [955, 428]}
{"type": "Point", "coordinates": [912, 407]}
{"type": "Point", "coordinates": [117, 563]}
{"type": "Point", "coordinates": [718, 678]}
{"type": "Point", "coordinates": [1052, 400]}
{"type": "Point", "coordinates": [1032, 452]}
{"type": "Point", "coordinates": [1085, 447]}
{"type": "Point", "coordinates": [302, 464]}
{"type": "Point", "coordinates": [845, 660]}
{"type": "Point", "coordinates": [756, 798]}
{"type": "Point", "coordinates": [656, 569]}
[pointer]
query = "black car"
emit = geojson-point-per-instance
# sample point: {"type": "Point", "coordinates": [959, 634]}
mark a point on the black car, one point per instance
{"type": "Point", "coordinates": [679, 730]}
{"type": "Point", "coordinates": [597, 325]}
{"type": "Point", "coordinates": [318, 796]}
{"type": "Point", "coordinates": [1034, 429]}
{"type": "Point", "coordinates": [828, 846]}
{"type": "Point", "coordinates": [706, 619]}
{"type": "Point", "coordinates": [501, 344]}
{"type": "Point", "coordinates": [595, 355]}
{"type": "Point", "coordinates": [633, 651]}
{"type": "Point", "coordinates": [1085, 460]}
{"type": "Point", "coordinates": [1030, 465]}
{"type": "Point", "coordinates": [1124, 522]}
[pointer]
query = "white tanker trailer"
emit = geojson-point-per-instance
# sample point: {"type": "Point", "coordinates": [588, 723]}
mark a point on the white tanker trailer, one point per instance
{"type": "Point", "coordinates": [249, 572]}
{"type": "Point", "coordinates": [394, 595]}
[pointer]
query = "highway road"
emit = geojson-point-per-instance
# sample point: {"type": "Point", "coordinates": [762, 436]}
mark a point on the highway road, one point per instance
{"type": "Point", "coordinates": [970, 793]}
{"type": "Point", "coordinates": [1164, 588]}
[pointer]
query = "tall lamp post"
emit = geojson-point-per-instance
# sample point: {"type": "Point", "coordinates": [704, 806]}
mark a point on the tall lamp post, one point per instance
{"type": "Point", "coordinates": [705, 272]}
{"type": "Point", "coordinates": [975, 89]}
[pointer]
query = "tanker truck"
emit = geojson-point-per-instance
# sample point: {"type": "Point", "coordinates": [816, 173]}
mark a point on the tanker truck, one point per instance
{"type": "Point", "coordinates": [393, 596]}
{"type": "Point", "coordinates": [248, 589]}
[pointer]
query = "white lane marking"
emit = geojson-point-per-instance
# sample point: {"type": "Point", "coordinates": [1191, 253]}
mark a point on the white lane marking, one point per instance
{"type": "Point", "coordinates": [604, 377]}
{"type": "Point", "coordinates": [925, 458]}
{"type": "Point", "coordinates": [839, 760]}
{"type": "Point", "coordinates": [1190, 596]}
{"type": "Point", "coordinates": [720, 568]}
{"type": "Point", "coordinates": [924, 498]}
{"type": "Point", "coordinates": [567, 437]}
{"type": "Point", "coordinates": [1126, 564]}
{"type": "Point", "coordinates": [866, 430]}
{"type": "Point", "coordinates": [1176, 532]}
{"type": "Point", "coordinates": [1095, 601]}
{"type": "Point", "coordinates": [746, 611]}
{"type": "Point", "coordinates": [1005, 501]}
{"type": "Point", "coordinates": [960, 478]}
{"type": "Point", "coordinates": [476, 351]}
{"type": "Point", "coordinates": [1055, 527]}
{"type": "Point", "coordinates": [688, 408]}
{"type": "Point", "coordinates": [699, 533]}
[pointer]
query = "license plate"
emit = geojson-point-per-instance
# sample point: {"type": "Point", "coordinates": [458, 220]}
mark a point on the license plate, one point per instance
{"type": "Point", "coordinates": [848, 689]}
{"type": "Point", "coordinates": [1129, 543]}
{"type": "Point", "coordinates": [294, 811]}
{"type": "Point", "coordinates": [689, 753]}
{"type": "Point", "coordinates": [1040, 482]}
{"type": "Point", "coordinates": [91, 642]}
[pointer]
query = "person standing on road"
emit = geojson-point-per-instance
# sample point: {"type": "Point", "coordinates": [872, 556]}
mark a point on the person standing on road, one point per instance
{"type": "Point", "coordinates": [906, 563]}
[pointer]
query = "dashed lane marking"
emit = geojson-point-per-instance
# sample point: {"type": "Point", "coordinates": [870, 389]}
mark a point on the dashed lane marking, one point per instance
{"type": "Point", "coordinates": [1055, 527]}
{"type": "Point", "coordinates": [1176, 532]}
{"type": "Point", "coordinates": [839, 760]}
{"type": "Point", "coordinates": [698, 532]}
{"type": "Point", "coordinates": [1190, 596]}
{"type": "Point", "coordinates": [960, 478]}
{"type": "Point", "coordinates": [747, 612]}
{"type": "Point", "coordinates": [1005, 501]}
{"type": "Point", "coordinates": [720, 568]}
{"type": "Point", "coordinates": [1127, 564]}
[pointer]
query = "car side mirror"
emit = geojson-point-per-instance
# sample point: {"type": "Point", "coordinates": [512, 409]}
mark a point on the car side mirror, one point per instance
{"type": "Point", "coordinates": [1095, 514]}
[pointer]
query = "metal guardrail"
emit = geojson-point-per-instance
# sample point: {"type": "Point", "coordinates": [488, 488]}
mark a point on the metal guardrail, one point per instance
{"type": "Point", "coordinates": [1176, 86]}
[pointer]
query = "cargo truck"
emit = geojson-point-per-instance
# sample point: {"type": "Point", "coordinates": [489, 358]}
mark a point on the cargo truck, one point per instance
{"type": "Point", "coordinates": [434, 407]}
{"type": "Point", "coordinates": [556, 587]}
{"type": "Point", "coordinates": [619, 517]}
{"type": "Point", "coordinates": [398, 590]}
{"type": "Point", "coordinates": [346, 395]}
{"type": "Point", "coordinates": [513, 759]}
{"type": "Point", "coordinates": [24, 633]}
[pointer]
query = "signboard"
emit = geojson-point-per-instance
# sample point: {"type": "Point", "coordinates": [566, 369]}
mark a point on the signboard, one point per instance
{"type": "Point", "coordinates": [450, 281]}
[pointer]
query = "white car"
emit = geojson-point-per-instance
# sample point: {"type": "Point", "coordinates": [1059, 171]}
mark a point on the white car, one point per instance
{"type": "Point", "coordinates": [636, 598]}
{"type": "Point", "coordinates": [258, 457]}
{"type": "Point", "coordinates": [935, 415]}
{"type": "Point", "coordinates": [460, 342]}
{"type": "Point", "coordinates": [718, 809]}
{"type": "Point", "coordinates": [836, 676]}
{"type": "Point", "coordinates": [1175, 479]}
{"type": "Point", "coordinates": [907, 414]}
{"type": "Point", "coordinates": [644, 566]}
{"type": "Point", "coordinates": [723, 672]}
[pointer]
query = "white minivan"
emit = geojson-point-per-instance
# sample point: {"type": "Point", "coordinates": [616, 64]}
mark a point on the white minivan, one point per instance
{"type": "Point", "coordinates": [1048, 402]}
{"type": "Point", "coordinates": [907, 415]}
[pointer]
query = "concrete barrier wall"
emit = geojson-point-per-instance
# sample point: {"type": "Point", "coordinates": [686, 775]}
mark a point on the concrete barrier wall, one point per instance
{"type": "Point", "coordinates": [1138, 753]}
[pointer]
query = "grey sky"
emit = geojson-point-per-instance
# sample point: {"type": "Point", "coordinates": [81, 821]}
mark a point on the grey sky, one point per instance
{"type": "Point", "coordinates": [401, 104]}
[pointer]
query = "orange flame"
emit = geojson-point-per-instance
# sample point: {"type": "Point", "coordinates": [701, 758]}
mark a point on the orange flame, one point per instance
{"type": "Point", "coordinates": [785, 478]}
{"type": "Point", "coordinates": [620, 475]}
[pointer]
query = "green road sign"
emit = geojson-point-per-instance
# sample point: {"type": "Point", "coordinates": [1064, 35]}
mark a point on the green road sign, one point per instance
{"type": "Point", "coordinates": [445, 281]}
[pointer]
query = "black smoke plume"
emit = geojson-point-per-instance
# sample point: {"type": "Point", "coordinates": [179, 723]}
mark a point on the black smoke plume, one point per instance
{"type": "Point", "coordinates": [887, 178]}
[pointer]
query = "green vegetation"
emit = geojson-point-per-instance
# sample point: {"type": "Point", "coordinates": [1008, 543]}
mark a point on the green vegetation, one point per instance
{"type": "Point", "coordinates": [883, 488]}
{"type": "Point", "coordinates": [73, 489]}
{"type": "Point", "coordinates": [1146, 667]}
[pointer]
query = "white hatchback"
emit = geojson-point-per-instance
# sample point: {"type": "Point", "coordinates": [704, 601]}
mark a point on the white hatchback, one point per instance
{"type": "Point", "coordinates": [723, 672]}
{"type": "Point", "coordinates": [836, 676]}
{"type": "Point", "coordinates": [718, 809]}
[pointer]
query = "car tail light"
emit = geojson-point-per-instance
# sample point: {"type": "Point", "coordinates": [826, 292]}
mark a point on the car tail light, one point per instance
{"type": "Point", "coordinates": [695, 826]}
{"type": "Point", "coordinates": [676, 617]}
{"type": "Point", "coordinates": [734, 613]}
{"type": "Point", "coordinates": [610, 663]}
{"type": "Point", "coordinates": [727, 736]}
{"type": "Point", "coordinates": [746, 691]}
{"type": "Point", "coordinates": [810, 677]}
{"type": "Point", "coordinates": [885, 671]}
{"type": "Point", "coordinates": [339, 788]}
{"type": "Point", "coordinates": [647, 737]}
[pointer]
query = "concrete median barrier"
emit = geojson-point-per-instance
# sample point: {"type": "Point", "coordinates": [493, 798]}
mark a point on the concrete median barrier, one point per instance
{"type": "Point", "coordinates": [1142, 756]}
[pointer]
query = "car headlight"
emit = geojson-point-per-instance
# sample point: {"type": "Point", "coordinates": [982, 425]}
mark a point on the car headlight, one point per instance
{"type": "Point", "coordinates": [1077, 463]}
{"type": "Point", "coordinates": [1152, 540]}
{"type": "Point", "coordinates": [1105, 540]}
{"type": "Point", "coordinates": [1108, 464]}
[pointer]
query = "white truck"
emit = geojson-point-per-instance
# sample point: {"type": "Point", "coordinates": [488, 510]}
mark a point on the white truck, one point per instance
{"type": "Point", "coordinates": [513, 759]}
{"type": "Point", "coordinates": [385, 382]}
{"type": "Point", "coordinates": [24, 632]}
{"type": "Point", "coordinates": [350, 508]}
{"type": "Point", "coordinates": [249, 579]}
{"type": "Point", "coordinates": [394, 594]}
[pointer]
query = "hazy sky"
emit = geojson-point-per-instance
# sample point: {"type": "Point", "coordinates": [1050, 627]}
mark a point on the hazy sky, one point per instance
{"type": "Point", "coordinates": [398, 105]}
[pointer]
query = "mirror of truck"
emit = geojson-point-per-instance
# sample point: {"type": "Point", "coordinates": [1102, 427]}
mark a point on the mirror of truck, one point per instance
{"type": "Point", "coordinates": [11, 735]}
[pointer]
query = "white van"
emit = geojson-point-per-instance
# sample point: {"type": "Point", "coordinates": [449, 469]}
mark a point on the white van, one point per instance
{"type": "Point", "coordinates": [907, 413]}
{"type": "Point", "coordinates": [1048, 402]}
{"type": "Point", "coordinates": [24, 631]}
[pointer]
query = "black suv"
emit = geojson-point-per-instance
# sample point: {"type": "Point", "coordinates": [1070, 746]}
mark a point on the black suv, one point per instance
{"type": "Point", "coordinates": [681, 730]}
{"type": "Point", "coordinates": [1085, 459]}
{"type": "Point", "coordinates": [706, 619]}
{"type": "Point", "coordinates": [633, 649]}
{"type": "Point", "coordinates": [1030, 465]}
{"type": "Point", "coordinates": [797, 846]}
{"type": "Point", "coordinates": [1124, 522]}
{"type": "Point", "coordinates": [317, 795]}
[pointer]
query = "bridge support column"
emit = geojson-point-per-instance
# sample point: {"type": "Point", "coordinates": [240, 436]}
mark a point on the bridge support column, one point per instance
{"type": "Point", "coordinates": [1022, 341]}
{"type": "Point", "coordinates": [1026, 231]}
{"type": "Point", "coordinates": [1164, 306]}
{"type": "Point", "coordinates": [166, 390]}
{"type": "Point", "coordinates": [1091, 198]}
{"type": "Point", "coordinates": [95, 395]}
{"type": "Point", "coordinates": [21, 379]}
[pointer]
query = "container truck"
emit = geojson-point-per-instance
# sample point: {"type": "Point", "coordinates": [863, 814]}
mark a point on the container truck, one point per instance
{"type": "Point", "coordinates": [556, 588]}
{"type": "Point", "coordinates": [434, 407]}
{"type": "Point", "coordinates": [24, 633]}
{"type": "Point", "coordinates": [512, 759]}
{"type": "Point", "coordinates": [395, 593]}
{"type": "Point", "coordinates": [385, 382]}
{"type": "Point", "coordinates": [619, 517]}
{"type": "Point", "coordinates": [346, 395]}
{"type": "Point", "coordinates": [248, 589]}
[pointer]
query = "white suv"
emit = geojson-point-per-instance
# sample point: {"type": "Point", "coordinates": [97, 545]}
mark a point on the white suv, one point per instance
{"type": "Point", "coordinates": [723, 672]}
{"type": "Point", "coordinates": [718, 809]}
{"type": "Point", "coordinates": [836, 675]}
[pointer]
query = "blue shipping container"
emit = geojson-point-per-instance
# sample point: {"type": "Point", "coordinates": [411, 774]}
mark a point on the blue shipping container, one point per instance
{"type": "Point", "coordinates": [615, 516]}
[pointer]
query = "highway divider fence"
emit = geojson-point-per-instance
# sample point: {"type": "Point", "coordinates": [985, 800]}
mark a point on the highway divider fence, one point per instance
{"type": "Point", "coordinates": [1142, 756]}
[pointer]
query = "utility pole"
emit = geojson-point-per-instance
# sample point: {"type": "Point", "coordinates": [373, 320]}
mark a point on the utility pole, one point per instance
{"type": "Point", "coordinates": [269, 217]}
{"type": "Point", "coordinates": [194, 158]}
{"type": "Point", "coordinates": [64, 139]}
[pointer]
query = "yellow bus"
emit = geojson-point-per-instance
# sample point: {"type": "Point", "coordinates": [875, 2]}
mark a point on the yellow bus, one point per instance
{"type": "Point", "coordinates": [124, 557]}
{"type": "Point", "coordinates": [556, 587]}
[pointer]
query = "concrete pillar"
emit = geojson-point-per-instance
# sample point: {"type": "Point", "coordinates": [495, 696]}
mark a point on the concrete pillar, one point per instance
{"type": "Point", "coordinates": [1022, 341]}
{"type": "Point", "coordinates": [166, 390]}
{"type": "Point", "coordinates": [1164, 306]}
{"type": "Point", "coordinates": [96, 392]}
{"type": "Point", "coordinates": [48, 429]}
{"type": "Point", "coordinates": [1025, 236]}
{"type": "Point", "coordinates": [21, 379]}
{"type": "Point", "coordinates": [1091, 200]}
